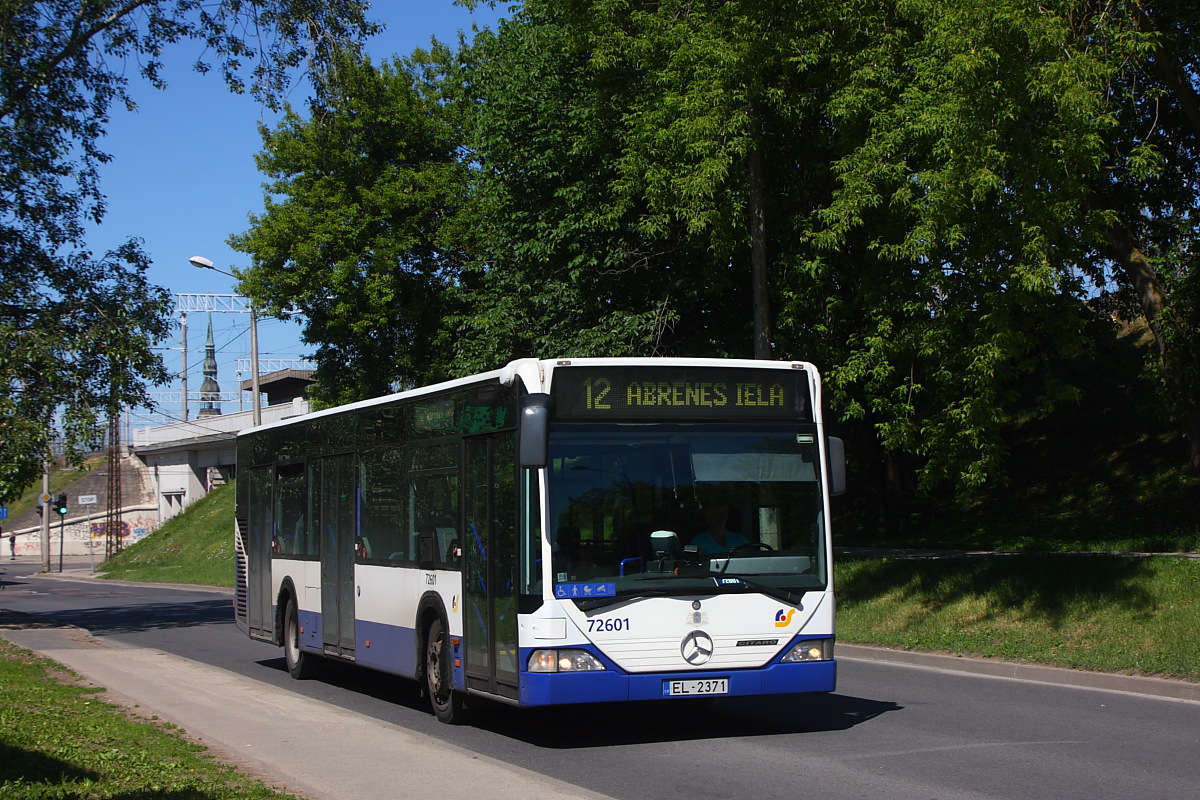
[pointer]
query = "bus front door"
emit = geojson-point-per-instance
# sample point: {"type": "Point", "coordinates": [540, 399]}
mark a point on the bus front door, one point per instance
{"type": "Point", "coordinates": [338, 522]}
{"type": "Point", "coordinates": [490, 624]}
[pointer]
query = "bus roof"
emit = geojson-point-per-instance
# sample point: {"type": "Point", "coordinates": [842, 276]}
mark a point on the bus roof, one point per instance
{"type": "Point", "coordinates": [537, 375]}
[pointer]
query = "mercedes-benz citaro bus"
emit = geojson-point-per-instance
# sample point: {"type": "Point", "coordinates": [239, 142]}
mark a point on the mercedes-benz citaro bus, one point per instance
{"type": "Point", "coordinates": [557, 531]}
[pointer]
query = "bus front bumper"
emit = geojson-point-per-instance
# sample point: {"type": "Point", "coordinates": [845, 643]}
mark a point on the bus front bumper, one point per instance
{"type": "Point", "coordinates": [610, 686]}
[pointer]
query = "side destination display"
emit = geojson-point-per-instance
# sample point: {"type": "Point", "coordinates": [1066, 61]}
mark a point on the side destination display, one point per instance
{"type": "Point", "coordinates": [637, 393]}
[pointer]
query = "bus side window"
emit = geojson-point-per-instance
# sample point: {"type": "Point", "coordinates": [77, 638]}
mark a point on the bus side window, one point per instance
{"type": "Point", "coordinates": [433, 512]}
{"type": "Point", "coordinates": [291, 490]}
{"type": "Point", "coordinates": [381, 525]}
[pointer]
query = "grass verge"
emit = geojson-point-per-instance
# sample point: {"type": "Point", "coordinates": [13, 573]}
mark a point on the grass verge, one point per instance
{"type": "Point", "coordinates": [1108, 613]}
{"type": "Point", "coordinates": [194, 547]}
{"type": "Point", "coordinates": [58, 740]}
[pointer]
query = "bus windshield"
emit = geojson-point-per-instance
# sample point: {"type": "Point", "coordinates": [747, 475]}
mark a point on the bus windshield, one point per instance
{"type": "Point", "coordinates": [655, 509]}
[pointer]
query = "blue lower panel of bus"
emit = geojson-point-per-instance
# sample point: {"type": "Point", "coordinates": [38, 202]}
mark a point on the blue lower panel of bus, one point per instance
{"type": "Point", "coordinates": [310, 625]}
{"type": "Point", "coordinates": [542, 689]}
{"type": "Point", "coordinates": [386, 647]}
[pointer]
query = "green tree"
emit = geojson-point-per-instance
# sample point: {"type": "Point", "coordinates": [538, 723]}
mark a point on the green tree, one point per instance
{"type": "Point", "coordinates": [76, 331]}
{"type": "Point", "coordinates": [596, 242]}
{"type": "Point", "coordinates": [718, 138]}
{"type": "Point", "coordinates": [945, 275]}
{"type": "Point", "coordinates": [1145, 197]}
{"type": "Point", "coordinates": [927, 203]}
{"type": "Point", "coordinates": [363, 229]}
{"type": "Point", "coordinates": [71, 357]}
{"type": "Point", "coordinates": [1007, 162]}
{"type": "Point", "coordinates": [942, 202]}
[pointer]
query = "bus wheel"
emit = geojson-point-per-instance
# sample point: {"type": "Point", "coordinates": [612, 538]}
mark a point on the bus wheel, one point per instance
{"type": "Point", "coordinates": [301, 665]}
{"type": "Point", "coordinates": [447, 703]}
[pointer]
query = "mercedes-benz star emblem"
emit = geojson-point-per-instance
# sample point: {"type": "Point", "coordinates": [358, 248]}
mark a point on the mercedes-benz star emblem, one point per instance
{"type": "Point", "coordinates": [697, 648]}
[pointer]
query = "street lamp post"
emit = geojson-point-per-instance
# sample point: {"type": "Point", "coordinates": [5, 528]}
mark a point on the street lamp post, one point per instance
{"type": "Point", "coordinates": [183, 364]}
{"type": "Point", "coordinates": [203, 263]}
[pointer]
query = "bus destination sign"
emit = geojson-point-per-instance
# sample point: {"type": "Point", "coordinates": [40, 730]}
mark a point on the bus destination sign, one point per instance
{"type": "Point", "coordinates": [676, 393]}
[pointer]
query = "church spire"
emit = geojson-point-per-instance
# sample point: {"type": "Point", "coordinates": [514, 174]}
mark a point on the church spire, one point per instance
{"type": "Point", "coordinates": [210, 390]}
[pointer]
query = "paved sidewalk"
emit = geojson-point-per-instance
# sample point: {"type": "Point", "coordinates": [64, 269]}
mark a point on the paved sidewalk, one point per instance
{"type": "Point", "coordinates": [304, 746]}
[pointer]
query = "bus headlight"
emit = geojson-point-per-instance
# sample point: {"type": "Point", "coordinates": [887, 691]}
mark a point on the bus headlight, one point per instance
{"type": "Point", "coordinates": [567, 660]}
{"type": "Point", "coordinates": [811, 650]}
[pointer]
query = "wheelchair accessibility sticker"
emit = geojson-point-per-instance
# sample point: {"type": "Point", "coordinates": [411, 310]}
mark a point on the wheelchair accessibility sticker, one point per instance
{"type": "Point", "coordinates": [582, 591]}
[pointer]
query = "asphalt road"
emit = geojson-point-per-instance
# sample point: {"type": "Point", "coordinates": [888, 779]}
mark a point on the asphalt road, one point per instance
{"type": "Point", "coordinates": [891, 730]}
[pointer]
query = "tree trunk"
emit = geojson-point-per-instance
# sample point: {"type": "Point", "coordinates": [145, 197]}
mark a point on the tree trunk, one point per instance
{"type": "Point", "coordinates": [1142, 277]}
{"type": "Point", "coordinates": [758, 249]}
{"type": "Point", "coordinates": [1193, 432]}
{"type": "Point", "coordinates": [1173, 73]}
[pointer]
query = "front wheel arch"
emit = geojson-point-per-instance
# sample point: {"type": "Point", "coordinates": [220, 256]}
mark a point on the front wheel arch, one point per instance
{"type": "Point", "coordinates": [429, 609]}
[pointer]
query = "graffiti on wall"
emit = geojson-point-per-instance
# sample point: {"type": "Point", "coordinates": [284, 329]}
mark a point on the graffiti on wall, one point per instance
{"type": "Point", "coordinates": [100, 530]}
{"type": "Point", "coordinates": [128, 531]}
{"type": "Point", "coordinates": [81, 538]}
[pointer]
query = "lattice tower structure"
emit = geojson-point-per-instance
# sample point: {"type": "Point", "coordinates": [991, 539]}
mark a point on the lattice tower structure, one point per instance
{"type": "Point", "coordinates": [112, 522]}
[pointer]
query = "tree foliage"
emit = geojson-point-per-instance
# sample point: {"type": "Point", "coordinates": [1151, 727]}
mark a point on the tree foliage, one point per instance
{"type": "Point", "coordinates": [947, 185]}
{"type": "Point", "coordinates": [658, 113]}
{"type": "Point", "coordinates": [76, 354]}
{"type": "Point", "coordinates": [592, 247]}
{"type": "Point", "coordinates": [76, 331]}
{"type": "Point", "coordinates": [1012, 161]}
{"type": "Point", "coordinates": [949, 201]}
{"type": "Point", "coordinates": [365, 237]}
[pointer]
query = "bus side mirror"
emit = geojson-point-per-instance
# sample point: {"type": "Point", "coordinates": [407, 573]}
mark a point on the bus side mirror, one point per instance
{"type": "Point", "coordinates": [837, 465]}
{"type": "Point", "coordinates": [534, 438]}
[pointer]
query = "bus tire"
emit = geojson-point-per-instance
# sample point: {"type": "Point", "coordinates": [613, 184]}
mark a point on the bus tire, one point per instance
{"type": "Point", "coordinates": [300, 665]}
{"type": "Point", "coordinates": [447, 704]}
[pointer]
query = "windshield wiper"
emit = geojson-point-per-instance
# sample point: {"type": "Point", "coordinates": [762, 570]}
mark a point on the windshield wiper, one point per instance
{"type": "Point", "coordinates": [770, 591]}
{"type": "Point", "coordinates": [600, 602]}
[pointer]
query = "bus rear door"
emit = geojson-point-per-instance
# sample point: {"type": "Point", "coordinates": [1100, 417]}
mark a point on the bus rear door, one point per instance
{"type": "Point", "coordinates": [261, 523]}
{"type": "Point", "coordinates": [339, 521]}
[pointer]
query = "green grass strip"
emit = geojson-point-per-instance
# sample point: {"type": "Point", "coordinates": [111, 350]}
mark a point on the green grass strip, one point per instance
{"type": "Point", "coordinates": [1108, 613]}
{"type": "Point", "coordinates": [194, 547]}
{"type": "Point", "coordinates": [59, 741]}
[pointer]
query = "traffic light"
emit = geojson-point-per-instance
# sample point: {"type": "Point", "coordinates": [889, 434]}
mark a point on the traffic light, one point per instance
{"type": "Point", "coordinates": [61, 505]}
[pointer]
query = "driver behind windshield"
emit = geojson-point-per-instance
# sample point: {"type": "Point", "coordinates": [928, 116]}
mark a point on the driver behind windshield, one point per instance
{"type": "Point", "coordinates": [716, 538]}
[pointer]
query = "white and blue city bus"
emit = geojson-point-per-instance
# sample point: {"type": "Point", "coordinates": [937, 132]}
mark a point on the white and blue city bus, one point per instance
{"type": "Point", "coordinates": [556, 531]}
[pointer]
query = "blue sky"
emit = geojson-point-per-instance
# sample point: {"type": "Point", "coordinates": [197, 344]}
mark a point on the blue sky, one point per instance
{"type": "Point", "coordinates": [183, 179]}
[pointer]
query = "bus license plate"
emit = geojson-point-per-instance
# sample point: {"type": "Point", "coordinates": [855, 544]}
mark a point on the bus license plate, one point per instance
{"type": "Point", "coordinates": [685, 688]}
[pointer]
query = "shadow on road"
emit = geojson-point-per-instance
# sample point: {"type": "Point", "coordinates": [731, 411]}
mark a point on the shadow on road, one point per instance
{"type": "Point", "coordinates": [611, 724]}
{"type": "Point", "coordinates": [134, 618]}
{"type": "Point", "coordinates": [606, 725]}
{"type": "Point", "coordinates": [391, 689]}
